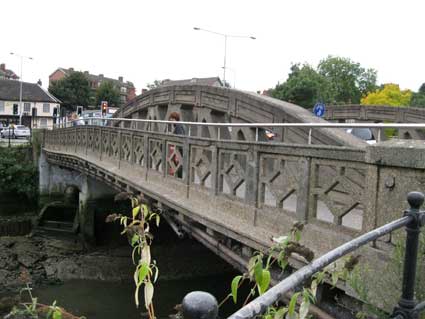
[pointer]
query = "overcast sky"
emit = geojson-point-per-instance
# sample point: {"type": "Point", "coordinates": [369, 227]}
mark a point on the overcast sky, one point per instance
{"type": "Point", "coordinates": [147, 40]}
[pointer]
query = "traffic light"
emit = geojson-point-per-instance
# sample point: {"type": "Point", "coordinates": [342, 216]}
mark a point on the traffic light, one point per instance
{"type": "Point", "coordinates": [15, 109]}
{"type": "Point", "coordinates": [79, 111]}
{"type": "Point", "coordinates": [104, 106]}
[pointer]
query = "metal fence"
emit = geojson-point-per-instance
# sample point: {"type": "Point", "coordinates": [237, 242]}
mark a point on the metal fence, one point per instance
{"type": "Point", "coordinates": [257, 126]}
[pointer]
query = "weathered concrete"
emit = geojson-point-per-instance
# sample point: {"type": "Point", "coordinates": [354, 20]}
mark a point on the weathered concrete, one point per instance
{"type": "Point", "coordinates": [248, 192]}
{"type": "Point", "coordinates": [199, 103]}
{"type": "Point", "coordinates": [378, 114]}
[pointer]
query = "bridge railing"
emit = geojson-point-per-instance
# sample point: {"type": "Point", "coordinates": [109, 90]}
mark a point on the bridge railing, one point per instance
{"type": "Point", "coordinates": [407, 307]}
{"type": "Point", "coordinates": [261, 131]}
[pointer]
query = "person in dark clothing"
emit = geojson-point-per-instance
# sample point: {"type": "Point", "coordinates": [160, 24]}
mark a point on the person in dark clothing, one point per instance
{"type": "Point", "coordinates": [178, 128]}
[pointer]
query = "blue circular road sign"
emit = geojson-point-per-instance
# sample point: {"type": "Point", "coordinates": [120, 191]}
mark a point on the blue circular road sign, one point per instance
{"type": "Point", "coordinates": [319, 109]}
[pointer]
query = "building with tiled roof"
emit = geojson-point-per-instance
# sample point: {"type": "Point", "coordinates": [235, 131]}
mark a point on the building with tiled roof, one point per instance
{"type": "Point", "coordinates": [6, 74]}
{"type": "Point", "coordinates": [127, 89]}
{"type": "Point", "coordinates": [35, 101]}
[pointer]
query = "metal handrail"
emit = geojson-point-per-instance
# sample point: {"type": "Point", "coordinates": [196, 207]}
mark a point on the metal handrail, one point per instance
{"type": "Point", "coordinates": [267, 125]}
{"type": "Point", "coordinates": [260, 304]}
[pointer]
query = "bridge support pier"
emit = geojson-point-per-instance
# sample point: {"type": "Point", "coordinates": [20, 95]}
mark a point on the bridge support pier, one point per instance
{"type": "Point", "coordinates": [91, 191]}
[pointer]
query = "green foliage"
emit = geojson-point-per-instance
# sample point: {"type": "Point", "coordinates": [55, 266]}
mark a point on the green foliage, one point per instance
{"type": "Point", "coordinates": [303, 87]}
{"type": "Point", "coordinates": [390, 95]}
{"type": "Point", "coordinates": [137, 228]}
{"type": "Point", "coordinates": [18, 175]}
{"type": "Point", "coordinates": [107, 91]}
{"type": "Point", "coordinates": [155, 84]}
{"type": "Point", "coordinates": [348, 80]}
{"type": "Point", "coordinates": [74, 89]}
{"type": "Point", "coordinates": [418, 98]}
{"type": "Point", "coordinates": [336, 80]}
{"type": "Point", "coordinates": [35, 310]}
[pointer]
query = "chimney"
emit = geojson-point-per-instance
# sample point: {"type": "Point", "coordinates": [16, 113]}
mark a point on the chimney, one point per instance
{"type": "Point", "coordinates": [144, 91]}
{"type": "Point", "coordinates": [3, 67]}
{"type": "Point", "coordinates": [86, 72]}
{"type": "Point", "coordinates": [101, 76]}
{"type": "Point", "coordinates": [39, 82]}
{"type": "Point", "coordinates": [121, 79]}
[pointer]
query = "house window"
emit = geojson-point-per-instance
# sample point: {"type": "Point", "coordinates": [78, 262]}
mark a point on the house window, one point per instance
{"type": "Point", "coordinates": [46, 108]}
{"type": "Point", "coordinates": [43, 122]}
{"type": "Point", "coordinates": [123, 89]}
{"type": "Point", "coordinates": [1, 106]}
{"type": "Point", "coordinates": [27, 107]}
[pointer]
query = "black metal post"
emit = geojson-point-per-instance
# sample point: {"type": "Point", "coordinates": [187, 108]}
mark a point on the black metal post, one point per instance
{"type": "Point", "coordinates": [406, 306]}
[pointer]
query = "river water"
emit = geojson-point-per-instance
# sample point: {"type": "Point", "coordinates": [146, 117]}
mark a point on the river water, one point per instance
{"type": "Point", "coordinates": [111, 300]}
{"type": "Point", "coordinates": [96, 299]}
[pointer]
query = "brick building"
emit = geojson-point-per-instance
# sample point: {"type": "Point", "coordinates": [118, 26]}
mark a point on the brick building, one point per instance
{"type": "Point", "coordinates": [127, 89]}
{"type": "Point", "coordinates": [6, 74]}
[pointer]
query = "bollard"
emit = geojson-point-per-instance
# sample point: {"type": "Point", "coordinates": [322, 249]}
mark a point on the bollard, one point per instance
{"type": "Point", "coordinates": [199, 305]}
{"type": "Point", "coordinates": [406, 306]}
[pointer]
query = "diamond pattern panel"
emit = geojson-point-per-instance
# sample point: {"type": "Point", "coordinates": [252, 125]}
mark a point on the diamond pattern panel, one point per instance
{"type": "Point", "coordinates": [279, 179]}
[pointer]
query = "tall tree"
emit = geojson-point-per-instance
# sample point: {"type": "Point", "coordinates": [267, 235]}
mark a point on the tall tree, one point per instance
{"type": "Point", "coordinates": [154, 84]}
{"type": "Point", "coordinates": [390, 95]}
{"type": "Point", "coordinates": [348, 80]}
{"type": "Point", "coordinates": [72, 90]}
{"type": "Point", "coordinates": [418, 98]}
{"type": "Point", "coordinates": [303, 87]}
{"type": "Point", "coordinates": [108, 92]}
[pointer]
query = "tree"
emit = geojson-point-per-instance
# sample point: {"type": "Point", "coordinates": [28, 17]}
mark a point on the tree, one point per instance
{"type": "Point", "coordinates": [303, 87]}
{"type": "Point", "coordinates": [418, 98]}
{"type": "Point", "coordinates": [155, 84]}
{"type": "Point", "coordinates": [108, 92]}
{"type": "Point", "coordinates": [390, 95]}
{"type": "Point", "coordinates": [348, 80]}
{"type": "Point", "coordinates": [72, 90]}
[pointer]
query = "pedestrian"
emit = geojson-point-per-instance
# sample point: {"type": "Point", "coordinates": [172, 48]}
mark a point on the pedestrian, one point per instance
{"type": "Point", "coordinates": [178, 128]}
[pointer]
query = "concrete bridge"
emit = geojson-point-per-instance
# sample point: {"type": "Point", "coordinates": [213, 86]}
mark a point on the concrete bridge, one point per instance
{"type": "Point", "coordinates": [380, 114]}
{"type": "Point", "coordinates": [234, 193]}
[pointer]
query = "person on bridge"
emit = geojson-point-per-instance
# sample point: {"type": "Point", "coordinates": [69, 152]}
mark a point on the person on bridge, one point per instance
{"type": "Point", "coordinates": [178, 128]}
{"type": "Point", "coordinates": [175, 151]}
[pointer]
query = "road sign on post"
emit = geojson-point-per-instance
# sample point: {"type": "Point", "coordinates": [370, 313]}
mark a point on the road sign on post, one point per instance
{"type": "Point", "coordinates": [319, 109]}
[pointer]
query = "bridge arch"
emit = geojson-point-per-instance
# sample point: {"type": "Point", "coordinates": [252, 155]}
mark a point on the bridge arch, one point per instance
{"type": "Point", "coordinates": [218, 105]}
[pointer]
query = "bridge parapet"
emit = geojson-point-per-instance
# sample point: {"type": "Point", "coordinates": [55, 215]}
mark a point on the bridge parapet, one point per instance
{"type": "Point", "coordinates": [203, 103]}
{"type": "Point", "coordinates": [252, 191]}
{"type": "Point", "coordinates": [303, 182]}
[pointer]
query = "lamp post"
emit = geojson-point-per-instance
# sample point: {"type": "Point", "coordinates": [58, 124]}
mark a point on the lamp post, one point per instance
{"type": "Point", "coordinates": [20, 80]}
{"type": "Point", "coordinates": [225, 45]}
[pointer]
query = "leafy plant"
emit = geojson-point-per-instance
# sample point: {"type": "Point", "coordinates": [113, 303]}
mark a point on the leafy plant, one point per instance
{"type": "Point", "coordinates": [259, 276]}
{"type": "Point", "coordinates": [17, 172]}
{"type": "Point", "coordinates": [137, 229]}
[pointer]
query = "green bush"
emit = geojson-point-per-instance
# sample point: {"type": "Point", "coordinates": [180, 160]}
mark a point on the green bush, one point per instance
{"type": "Point", "coordinates": [17, 172]}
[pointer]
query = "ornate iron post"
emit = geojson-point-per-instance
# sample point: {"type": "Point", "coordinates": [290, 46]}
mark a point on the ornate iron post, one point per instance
{"type": "Point", "coordinates": [406, 306]}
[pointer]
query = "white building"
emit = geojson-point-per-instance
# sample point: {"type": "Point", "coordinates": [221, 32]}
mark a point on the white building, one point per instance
{"type": "Point", "coordinates": [35, 101]}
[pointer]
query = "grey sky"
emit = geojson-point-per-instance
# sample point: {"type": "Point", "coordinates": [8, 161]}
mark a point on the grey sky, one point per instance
{"type": "Point", "coordinates": [148, 40]}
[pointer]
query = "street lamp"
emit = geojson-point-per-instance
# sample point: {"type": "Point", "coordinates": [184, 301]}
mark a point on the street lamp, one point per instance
{"type": "Point", "coordinates": [225, 44]}
{"type": "Point", "coordinates": [20, 80]}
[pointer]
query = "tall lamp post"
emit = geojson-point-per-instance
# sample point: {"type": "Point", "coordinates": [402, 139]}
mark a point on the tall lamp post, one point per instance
{"type": "Point", "coordinates": [22, 57]}
{"type": "Point", "coordinates": [225, 44]}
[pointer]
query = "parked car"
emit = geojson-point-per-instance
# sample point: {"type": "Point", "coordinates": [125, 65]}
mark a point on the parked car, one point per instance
{"type": "Point", "coordinates": [16, 131]}
{"type": "Point", "coordinates": [362, 133]}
